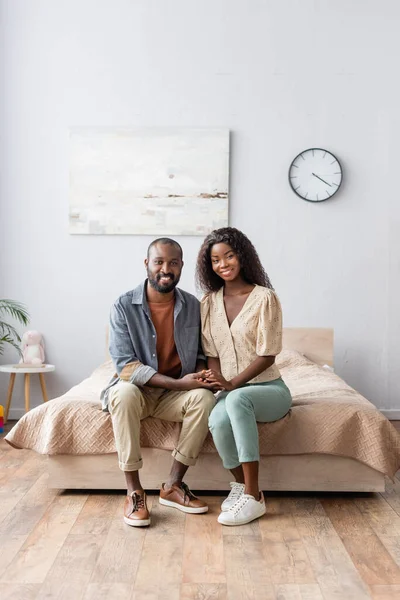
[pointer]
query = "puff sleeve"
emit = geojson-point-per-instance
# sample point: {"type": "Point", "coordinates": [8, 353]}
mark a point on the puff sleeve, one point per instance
{"type": "Point", "coordinates": [207, 341]}
{"type": "Point", "coordinates": [269, 332]}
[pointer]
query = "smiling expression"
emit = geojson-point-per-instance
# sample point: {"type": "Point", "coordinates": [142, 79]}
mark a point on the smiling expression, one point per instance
{"type": "Point", "coordinates": [164, 266]}
{"type": "Point", "coordinates": [225, 262]}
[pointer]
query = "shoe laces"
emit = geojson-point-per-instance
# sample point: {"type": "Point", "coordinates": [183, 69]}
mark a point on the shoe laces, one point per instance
{"type": "Point", "coordinates": [239, 504]}
{"type": "Point", "coordinates": [138, 501]}
{"type": "Point", "coordinates": [187, 492]}
{"type": "Point", "coordinates": [236, 491]}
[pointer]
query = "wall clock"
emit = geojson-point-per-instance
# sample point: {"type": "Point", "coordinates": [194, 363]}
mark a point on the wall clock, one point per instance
{"type": "Point", "coordinates": [315, 175]}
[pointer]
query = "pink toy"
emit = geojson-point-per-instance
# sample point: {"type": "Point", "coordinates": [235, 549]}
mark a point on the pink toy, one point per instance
{"type": "Point", "coordinates": [32, 348]}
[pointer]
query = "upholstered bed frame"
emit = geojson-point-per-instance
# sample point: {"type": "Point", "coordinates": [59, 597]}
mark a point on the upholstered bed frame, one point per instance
{"type": "Point", "coordinates": [308, 472]}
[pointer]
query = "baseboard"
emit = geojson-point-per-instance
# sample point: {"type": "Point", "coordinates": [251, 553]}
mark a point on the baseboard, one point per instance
{"type": "Point", "coordinates": [393, 414]}
{"type": "Point", "coordinates": [15, 414]}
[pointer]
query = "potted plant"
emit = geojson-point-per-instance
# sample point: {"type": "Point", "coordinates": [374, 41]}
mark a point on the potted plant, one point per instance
{"type": "Point", "coordinates": [8, 333]}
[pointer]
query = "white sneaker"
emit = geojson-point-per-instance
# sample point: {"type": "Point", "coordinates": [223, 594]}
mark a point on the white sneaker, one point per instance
{"type": "Point", "coordinates": [236, 492]}
{"type": "Point", "coordinates": [245, 510]}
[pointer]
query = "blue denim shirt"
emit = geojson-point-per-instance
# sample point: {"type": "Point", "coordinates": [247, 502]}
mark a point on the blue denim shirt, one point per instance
{"type": "Point", "coordinates": [133, 337]}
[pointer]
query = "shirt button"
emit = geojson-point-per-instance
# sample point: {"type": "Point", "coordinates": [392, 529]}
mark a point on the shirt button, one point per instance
{"type": "Point", "coordinates": [154, 336]}
{"type": "Point", "coordinates": [153, 355]}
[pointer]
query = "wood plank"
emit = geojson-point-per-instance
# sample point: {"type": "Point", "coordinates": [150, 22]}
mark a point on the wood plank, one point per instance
{"type": "Point", "coordinates": [334, 570]}
{"type": "Point", "coordinates": [292, 591]}
{"type": "Point", "coordinates": [252, 529]}
{"type": "Point", "coordinates": [203, 591]}
{"type": "Point", "coordinates": [203, 553]}
{"type": "Point", "coordinates": [300, 505]}
{"type": "Point", "coordinates": [120, 555]}
{"type": "Point", "coordinates": [245, 561]}
{"type": "Point", "coordinates": [317, 526]}
{"type": "Point", "coordinates": [372, 560]}
{"type": "Point", "coordinates": [30, 508]}
{"type": "Point", "coordinates": [384, 523]}
{"type": "Point", "coordinates": [10, 457]}
{"type": "Point", "coordinates": [71, 571]}
{"type": "Point", "coordinates": [20, 521]}
{"type": "Point", "coordinates": [372, 502]}
{"type": "Point", "coordinates": [346, 517]}
{"type": "Point", "coordinates": [36, 557]}
{"type": "Point", "coordinates": [251, 592]}
{"type": "Point", "coordinates": [285, 555]}
{"type": "Point", "coordinates": [97, 514]}
{"type": "Point", "coordinates": [19, 471]}
{"type": "Point", "coordinates": [19, 591]}
{"type": "Point", "coordinates": [392, 495]}
{"type": "Point", "coordinates": [385, 592]}
{"type": "Point", "coordinates": [392, 545]}
{"type": "Point", "coordinates": [158, 592]}
{"type": "Point", "coordinates": [160, 564]}
{"type": "Point", "coordinates": [10, 545]}
{"type": "Point", "coordinates": [357, 532]}
{"type": "Point", "coordinates": [108, 591]}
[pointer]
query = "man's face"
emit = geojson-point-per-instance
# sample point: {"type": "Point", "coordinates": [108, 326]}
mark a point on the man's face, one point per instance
{"type": "Point", "coordinates": [164, 266]}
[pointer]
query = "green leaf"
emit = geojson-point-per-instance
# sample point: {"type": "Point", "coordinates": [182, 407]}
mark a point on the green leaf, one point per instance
{"type": "Point", "coordinates": [7, 329]}
{"type": "Point", "coordinates": [15, 309]}
{"type": "Point", "coordinates": [6, 339]}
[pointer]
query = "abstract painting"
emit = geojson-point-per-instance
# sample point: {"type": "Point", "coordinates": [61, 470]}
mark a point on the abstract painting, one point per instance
{"type": "Point", "coordinates": [148, 181]}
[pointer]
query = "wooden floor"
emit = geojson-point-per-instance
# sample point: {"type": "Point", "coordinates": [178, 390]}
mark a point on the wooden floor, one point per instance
{"type": "Point", "coordinates": [73, 546]}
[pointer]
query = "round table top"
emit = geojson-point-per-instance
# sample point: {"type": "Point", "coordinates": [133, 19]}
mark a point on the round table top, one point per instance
{"type": "Point", "coordinates": [21, 369]}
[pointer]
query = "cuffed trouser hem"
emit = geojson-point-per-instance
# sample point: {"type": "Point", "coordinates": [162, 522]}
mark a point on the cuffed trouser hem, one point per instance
{"type": "Point", "coordinates": [229, 467]}
{"type": "Point", "coordinates": [131, 466]}
{"type": "Point", "coordinates": [246, 459]}
{"type": "Point", "coordinates": [189, 462]}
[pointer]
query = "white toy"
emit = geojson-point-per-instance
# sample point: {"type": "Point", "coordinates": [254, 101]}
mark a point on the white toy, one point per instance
{"type": "Point", "coordinates": [32, 348]}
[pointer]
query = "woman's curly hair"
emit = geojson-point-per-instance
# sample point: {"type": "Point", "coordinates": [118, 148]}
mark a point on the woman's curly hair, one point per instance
{"type": "Point", "coordinates": [252, 270]}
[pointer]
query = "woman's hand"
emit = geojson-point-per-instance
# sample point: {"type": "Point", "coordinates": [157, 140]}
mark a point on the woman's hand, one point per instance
{"type": "Point", "coordinates": [194, 381]}
{"type": "Point", "coordinates": [217, 378]}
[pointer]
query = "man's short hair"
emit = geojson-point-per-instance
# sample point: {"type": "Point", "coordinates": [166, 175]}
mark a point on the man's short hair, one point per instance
{"type": "Point", "coordinates": [165, 240]}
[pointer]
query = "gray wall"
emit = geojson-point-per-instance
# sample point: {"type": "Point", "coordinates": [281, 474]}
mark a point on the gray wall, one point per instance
{"type": "Point", "coordinates": [282, 76]}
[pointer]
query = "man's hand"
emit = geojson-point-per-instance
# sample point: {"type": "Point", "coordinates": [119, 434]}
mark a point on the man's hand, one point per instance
{"type": "Point", "coordinates": [193, 381]}
{"type": "Point", "coordinates": [217, 379]}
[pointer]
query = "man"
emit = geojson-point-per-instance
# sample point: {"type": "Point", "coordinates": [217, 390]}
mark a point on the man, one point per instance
{"type": "Point", "coordinates": [154, 344]}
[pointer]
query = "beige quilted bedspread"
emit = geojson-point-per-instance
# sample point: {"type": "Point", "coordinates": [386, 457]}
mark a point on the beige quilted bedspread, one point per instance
{"type": "Point", "coordinates": [327, 417]}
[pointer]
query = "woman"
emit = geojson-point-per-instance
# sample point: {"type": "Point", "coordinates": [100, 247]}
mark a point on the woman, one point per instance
{"type": "Point", "coordinates": [241, 335]}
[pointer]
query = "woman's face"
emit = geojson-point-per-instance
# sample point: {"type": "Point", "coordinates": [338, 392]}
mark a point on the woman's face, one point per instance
{"type": "Point", "coordinates": [225, 262]}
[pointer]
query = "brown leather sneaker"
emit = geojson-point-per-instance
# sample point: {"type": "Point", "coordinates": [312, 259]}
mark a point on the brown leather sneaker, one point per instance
{"type": "Point", "coordinates": [136, 513]}
{"type": "Point", "coordinates": [181, 497]}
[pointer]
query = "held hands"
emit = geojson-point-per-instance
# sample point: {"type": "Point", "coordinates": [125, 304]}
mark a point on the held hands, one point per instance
{"type": "Point", "coordinates": [193, 381]}
{"type": "Point", "coordinates": [216, 378]}
{"type": "Point", "coordinates": [208, 379]}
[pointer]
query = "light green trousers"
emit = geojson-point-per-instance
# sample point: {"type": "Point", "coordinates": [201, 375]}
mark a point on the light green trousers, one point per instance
{"type": "Point", "coordinates": [233, 421]}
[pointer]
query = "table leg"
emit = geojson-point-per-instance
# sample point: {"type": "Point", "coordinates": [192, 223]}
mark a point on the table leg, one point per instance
{"type": "Point", "coordinates": [43, 385]}
{"type": "Point", "coordinates": [9, 395]}
{"type": "Point", "coordinates": [27, 391]}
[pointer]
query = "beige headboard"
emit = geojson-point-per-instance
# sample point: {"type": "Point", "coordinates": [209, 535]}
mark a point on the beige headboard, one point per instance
{"type": "Point", "coordinates": [314, 342]}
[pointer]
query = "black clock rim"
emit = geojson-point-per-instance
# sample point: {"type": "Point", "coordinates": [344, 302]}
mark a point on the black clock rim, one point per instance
{"type": "Point", "coordinates": [324, 199]}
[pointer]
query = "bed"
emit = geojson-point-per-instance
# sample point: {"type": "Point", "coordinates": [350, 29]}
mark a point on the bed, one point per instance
{"type": "Point", "coordinates": [333, 439]}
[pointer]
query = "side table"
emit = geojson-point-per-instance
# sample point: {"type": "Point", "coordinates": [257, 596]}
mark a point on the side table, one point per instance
{"type": "Point", "coordinates": [27, 371]}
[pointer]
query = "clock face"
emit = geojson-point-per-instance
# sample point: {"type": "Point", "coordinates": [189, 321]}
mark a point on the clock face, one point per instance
{"type": "Point", "coordinates": [315, 175]}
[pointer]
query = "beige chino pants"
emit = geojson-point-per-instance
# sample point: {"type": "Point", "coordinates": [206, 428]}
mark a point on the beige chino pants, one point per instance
{"type": "Point", "coordinates": [129, 404]}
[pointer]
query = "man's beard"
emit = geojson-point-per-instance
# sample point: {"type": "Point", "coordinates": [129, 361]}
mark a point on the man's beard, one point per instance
{"type": "Point", "coordinates": [163, 288]}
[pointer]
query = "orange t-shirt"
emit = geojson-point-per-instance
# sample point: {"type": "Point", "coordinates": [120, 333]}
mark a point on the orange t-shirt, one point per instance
{"type": "Point", "coordinates": [162, 315]}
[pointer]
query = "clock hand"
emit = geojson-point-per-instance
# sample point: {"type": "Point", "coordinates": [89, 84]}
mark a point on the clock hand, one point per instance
{"type": "Point", "coordinates": [318, 177]}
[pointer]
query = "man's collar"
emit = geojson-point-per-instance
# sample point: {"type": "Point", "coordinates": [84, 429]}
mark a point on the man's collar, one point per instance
{"type": "Point", "coordinates": [139, 294]}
